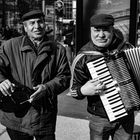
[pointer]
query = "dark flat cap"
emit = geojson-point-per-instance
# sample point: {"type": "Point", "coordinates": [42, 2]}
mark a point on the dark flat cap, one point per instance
{"type": "Point", "coordinates": [101, 20]}
{"type": "Point", "coordinates": [33, 14]}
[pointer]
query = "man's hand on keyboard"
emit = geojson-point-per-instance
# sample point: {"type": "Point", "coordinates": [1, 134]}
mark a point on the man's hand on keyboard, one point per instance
{"type": "Point", "coordinates": [92, 87]}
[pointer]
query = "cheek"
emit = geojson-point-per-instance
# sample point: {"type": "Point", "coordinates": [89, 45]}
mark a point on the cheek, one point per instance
{"type": "Point", "coordinates": [109, 36]}
{"type": "Point", "coordinates": [29, 30]}
{"type": "Point", "coordinates": [93, 36]}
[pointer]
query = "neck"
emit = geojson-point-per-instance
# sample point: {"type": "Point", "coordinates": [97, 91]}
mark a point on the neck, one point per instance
{"type": "Point", "coordinates": [36, 41]}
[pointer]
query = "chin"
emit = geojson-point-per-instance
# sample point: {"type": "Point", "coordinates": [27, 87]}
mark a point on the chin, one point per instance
{"type": "Point", "coordinates": [38, 36]}
{"type": "Point", "coordinates": [102, 45]}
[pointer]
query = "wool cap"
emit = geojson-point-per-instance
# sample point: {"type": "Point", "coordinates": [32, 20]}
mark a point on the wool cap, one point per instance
{"type": "Point", "coordinates": [32, 14]}
{"type": "Point", "coordinates": [101, 20]}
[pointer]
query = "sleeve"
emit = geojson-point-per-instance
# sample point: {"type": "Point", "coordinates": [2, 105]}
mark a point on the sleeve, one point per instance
{"type": "Point", "coordinates": [59, 83]}
{"type": "Point", "coordinates": [62, 79]}
{"type": "Point", "coordinates": [79, 76]}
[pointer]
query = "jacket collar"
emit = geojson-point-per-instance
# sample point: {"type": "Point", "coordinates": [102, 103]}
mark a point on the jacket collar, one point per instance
{"type": "Point", "coordinates": [27, 45]}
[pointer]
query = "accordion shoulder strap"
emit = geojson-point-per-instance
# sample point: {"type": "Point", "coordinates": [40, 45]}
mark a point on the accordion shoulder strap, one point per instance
{"type": "Point", "coordinates": [129, 45]}
{"type": "Point", "coordinates": [77, 58]}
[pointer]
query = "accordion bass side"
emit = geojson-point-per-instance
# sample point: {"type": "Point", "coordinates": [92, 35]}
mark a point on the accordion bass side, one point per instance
{"type": "Point", "coordinates": [121, 75]}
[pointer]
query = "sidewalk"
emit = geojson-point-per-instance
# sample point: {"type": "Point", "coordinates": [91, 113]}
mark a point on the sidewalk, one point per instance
{"type": "Point", "coordinates": [72, 129]}
{"type": "Point", "coordinates": [66, 129]}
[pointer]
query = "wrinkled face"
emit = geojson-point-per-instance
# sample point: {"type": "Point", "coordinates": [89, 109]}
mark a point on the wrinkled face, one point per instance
{"type": "Point", "coordinates": [35, 28]}
{"type": "Point", "coordinates": [102, 36]}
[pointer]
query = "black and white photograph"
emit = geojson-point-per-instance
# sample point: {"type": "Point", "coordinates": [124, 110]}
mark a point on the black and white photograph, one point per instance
{"type": "Point", "coordinates": [69, 69]}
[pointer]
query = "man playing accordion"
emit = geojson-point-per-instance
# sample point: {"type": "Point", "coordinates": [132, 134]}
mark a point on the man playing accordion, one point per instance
{"type": "Point", "coordinates": [104, 40]}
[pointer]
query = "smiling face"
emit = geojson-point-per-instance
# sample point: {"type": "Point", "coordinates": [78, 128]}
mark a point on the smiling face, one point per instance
{"type": "Point", "coordinates": [102, 36]}
{"type": "Point", "coordinates": [35, 28]}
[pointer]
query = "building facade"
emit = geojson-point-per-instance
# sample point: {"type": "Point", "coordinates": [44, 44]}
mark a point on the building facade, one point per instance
{"type": "Point", "coordinates": [12, 10]}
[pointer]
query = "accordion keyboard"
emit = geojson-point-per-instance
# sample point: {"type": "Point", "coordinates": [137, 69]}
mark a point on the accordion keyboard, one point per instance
{"type": "Point", "coordinates": [110, 98]}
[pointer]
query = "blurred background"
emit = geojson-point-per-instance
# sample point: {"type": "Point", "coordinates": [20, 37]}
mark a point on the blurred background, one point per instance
{"type": "Point", "coordinates": [67, 21]}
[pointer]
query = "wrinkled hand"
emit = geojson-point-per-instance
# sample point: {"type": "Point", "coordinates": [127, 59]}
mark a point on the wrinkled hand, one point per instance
{"type": "Point", "coordinates": [6, 87]}
{"type": "Point", "coordinates": [92, 87]}
{"type": "Point", "coordinates": [39, 89]}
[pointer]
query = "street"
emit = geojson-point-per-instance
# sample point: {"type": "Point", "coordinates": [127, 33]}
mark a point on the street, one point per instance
{"type": "Point", "coordinates": [70, 107]}
{"type": "Point", "coordinates": [72, 123]}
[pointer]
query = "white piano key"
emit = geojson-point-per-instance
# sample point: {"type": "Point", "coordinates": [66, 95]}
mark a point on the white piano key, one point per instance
{"type": "Point", "coordinates": [117, 108]}
{"type": "Point", "coordinates": [122, 111]}
{"type": "Point", "coordinates": [113, 118]}
{"type": "Point", "coordinates": [117, 104]}
{"type": "Point", "coordinates": [103, 66]}
{"type": "Point", "coordinates": [115, 100]}
{"type": "Point", "coordinates": [104, 74]}
{"type": "Point", "coordinates": [110, 94]}
{"type": "Point", "coordinates": [97, 60]}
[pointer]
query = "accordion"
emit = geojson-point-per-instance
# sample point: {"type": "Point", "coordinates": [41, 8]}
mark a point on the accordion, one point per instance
{"type": "Point", "coordinates": [121, 75]}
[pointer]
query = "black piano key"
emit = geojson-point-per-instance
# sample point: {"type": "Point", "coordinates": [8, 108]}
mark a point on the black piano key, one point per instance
{"type": "Point", "coordinates": [113, 97]}
{"type": "Point", "coordinates": [115, 101]}
{"type": "Point", "coordinates": [120, 114]}
{"type": "Point", "coordinates": [116, 110]}
{"type": "Point", "coordinates": [107, 92]}
{"type": "Point", "coordinates": [117, 106]}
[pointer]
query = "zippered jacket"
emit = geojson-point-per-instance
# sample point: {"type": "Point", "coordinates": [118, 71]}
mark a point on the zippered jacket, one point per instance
{"type": "Point", "coordinates": [80, 72]}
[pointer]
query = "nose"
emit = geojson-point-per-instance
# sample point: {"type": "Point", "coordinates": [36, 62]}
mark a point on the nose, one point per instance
{"type": "Point", "coordinates": [101, 33]}
{"type": "Point", "coordinates": [36, 25]}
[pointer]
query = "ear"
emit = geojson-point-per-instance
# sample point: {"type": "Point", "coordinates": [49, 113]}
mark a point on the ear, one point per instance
{"type": "Point", "coordinates": [25, 28]}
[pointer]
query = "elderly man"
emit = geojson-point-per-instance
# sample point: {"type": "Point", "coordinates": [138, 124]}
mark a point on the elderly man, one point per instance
{"type": "Point", "coordinates": [33, 71]}
{"type": "Point", "coordinates": [105, 40]}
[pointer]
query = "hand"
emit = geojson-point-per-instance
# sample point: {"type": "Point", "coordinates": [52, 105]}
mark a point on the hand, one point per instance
{"type": "Point", "coordinates": [39, 89]}
{"type": "Point", "coordinates": [92, 87]}
{"type": "Point", "coordinates": [6, 87]}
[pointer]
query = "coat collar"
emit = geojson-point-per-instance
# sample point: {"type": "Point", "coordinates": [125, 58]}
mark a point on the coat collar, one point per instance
{"type": "Point", "coordinates": [27, 45]}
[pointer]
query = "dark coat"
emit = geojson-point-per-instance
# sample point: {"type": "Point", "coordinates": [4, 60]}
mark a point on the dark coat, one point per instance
{"type": "Point", "coordinates": [48, 65]}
